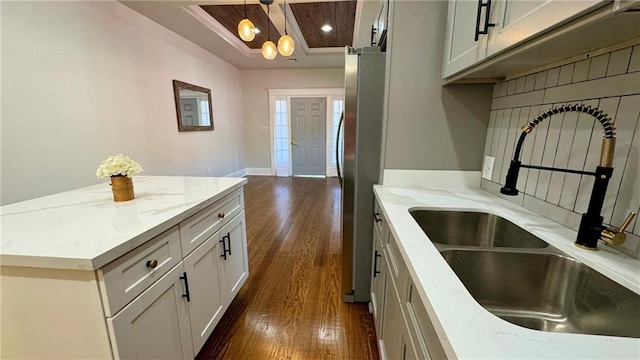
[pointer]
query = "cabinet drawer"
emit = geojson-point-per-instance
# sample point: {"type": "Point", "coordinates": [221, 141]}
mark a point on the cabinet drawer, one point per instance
{"type": "Point", "coordinates": [199, 227]}
{"type": "Point", "coordinates": [396, 264]}
{"type": "Point", "coordinates": [125, 278]}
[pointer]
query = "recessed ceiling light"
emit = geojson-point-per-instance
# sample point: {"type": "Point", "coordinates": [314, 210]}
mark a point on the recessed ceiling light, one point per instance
{"type": "Point", "coordinates": [256, 31]}
{"type": "Point", "coordinates": [326, 28]}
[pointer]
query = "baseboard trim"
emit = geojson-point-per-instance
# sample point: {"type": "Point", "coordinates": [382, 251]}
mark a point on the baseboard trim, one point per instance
{"type": "Point", "coordinates": [239, 173]}
{"type": "Point", "coordinates": [260, 171]}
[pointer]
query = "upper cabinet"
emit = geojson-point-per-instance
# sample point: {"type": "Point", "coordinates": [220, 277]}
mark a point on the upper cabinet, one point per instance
{"type": "Point", "coordinates": [380, 24]}
{"type": "Point", "coordinates": [463, 46]}
{"type": "Point", "coordinates": [490, 32]}
{"type": "Point", "coordinates": [516, 20]}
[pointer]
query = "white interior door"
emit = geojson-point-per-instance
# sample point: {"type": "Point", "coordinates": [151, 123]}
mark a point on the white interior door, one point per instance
{"type": "Point", "coordinates": [308, 136]}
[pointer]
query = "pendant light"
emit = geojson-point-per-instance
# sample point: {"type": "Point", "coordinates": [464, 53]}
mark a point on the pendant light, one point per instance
{"type": "Point", "coordinates": [269, 50]}
{"type": "Point", "coordinates": [246, 29]}
{"type": "Point", "coordinates": [285, 43]}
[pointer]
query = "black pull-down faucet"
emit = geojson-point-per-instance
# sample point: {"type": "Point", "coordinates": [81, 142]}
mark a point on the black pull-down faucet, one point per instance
{"type": "Point", "coordinates": [591, 229]}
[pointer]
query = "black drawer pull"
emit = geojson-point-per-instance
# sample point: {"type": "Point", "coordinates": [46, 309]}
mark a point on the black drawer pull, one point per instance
{"type": "Point", "coordinates": [375, 264]}
{"type": "Point", "coordinates": [186, 287]}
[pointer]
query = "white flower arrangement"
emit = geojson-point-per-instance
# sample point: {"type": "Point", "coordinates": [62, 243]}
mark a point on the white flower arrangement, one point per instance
{"type": "Point", "coordinates": [118, 165]}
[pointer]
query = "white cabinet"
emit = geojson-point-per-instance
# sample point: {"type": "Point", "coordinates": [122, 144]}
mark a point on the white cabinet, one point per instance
{"type": "Point", "coordinates": [402, 323]}
{"type": "Point", "coordinates": [156, 324]}
{"type": "Point", "coordinates": [378, 281]}
{"type": "Point", "coordinates": [233, 265]}
{"type": "Point", "coordinates": [461, 49]}
{"type": "Point", "coordinates": [158, 300]}
{"type": "Point", "coordinates": [506, 23]}
{"type": "Point", "coordinates": [381, 23]}
{"type": "Point", "coordinates": [517, 20]}
{"type": "Point", "coordinates": [205, 300]}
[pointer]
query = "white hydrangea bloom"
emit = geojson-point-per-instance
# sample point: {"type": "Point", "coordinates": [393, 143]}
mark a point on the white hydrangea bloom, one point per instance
{"type": "Point", "coordinates": [118, 165]}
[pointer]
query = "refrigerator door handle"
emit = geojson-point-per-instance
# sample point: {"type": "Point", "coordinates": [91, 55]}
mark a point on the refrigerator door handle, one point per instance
{"type": "Point", "coordinates": [338, 149]}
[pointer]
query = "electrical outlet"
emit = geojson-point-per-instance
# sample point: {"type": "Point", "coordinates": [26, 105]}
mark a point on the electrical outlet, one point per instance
{"type": "Point", "coordinates": [487, 167]}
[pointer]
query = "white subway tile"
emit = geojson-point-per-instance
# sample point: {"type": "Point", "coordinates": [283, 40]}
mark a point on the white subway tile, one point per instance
{"type": "Point", "coordinates": [581, 71]}
{"type": "Point", "coordinates": [565, 142]}
{"type": "Point", "coordinates": [598, 68]}
{"type": "Point", "coordinates": [503, 88]}
{"type": "Point", "coordinates": [619, 62]}
{"type": "Point", "coordinates": [520, 82]}
{"type": "Point", "coordinates": [511, 87]}
{"type": "Point", "coordinates": [530, 82]}
{"type": "Point", "coordinates": [490, 131]}
{"type": "Point", "coordinates": [496, 91]}
{"type": "Point", "coordinates": [634, 63]}
{"type": "Point", "coordinates": [577, 157]}
{"type": "Point", "coordinates": [497, 128]}
{"type": "Point", "coordinates": [511, 141]}
{"type": "Point", "coordinates": [518, 100]}
{"type": "Point", "coordinates": [541, 80]}
{"type": "Point", "coordinates": [619, 85]}
{"type": "Point", "coordinates": [549, 154]}
{"type": "Point", "coordinates": [500, 152]}
{"type": "Point", "coordinates": [566, 73]}
{"type": "Point", "coordinates": [536, 155]}
{"type": "Point", "coordinates": [553, 76]}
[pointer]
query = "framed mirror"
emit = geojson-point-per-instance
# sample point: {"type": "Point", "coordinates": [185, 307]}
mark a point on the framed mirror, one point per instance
{"type": "Point", "coordinates": [193, 107]}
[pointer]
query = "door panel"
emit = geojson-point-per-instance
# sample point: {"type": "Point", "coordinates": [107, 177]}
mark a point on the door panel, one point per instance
{"type": "Point", "coordinates": [308, 132]}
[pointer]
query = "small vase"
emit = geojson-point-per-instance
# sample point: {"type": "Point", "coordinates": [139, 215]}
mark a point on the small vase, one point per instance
{"type": "Point", "coordinates": [122, 187]}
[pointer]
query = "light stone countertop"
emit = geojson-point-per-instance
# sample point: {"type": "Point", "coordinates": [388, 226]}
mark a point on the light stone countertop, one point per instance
{"type": "Point", "coordinates": [466, 329]}
{"type": "Point", "coordinates": [84, 229]}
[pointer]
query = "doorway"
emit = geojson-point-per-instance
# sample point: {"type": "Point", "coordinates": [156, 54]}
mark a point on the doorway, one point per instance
{"type": "Point", "coordinates": [281, 119]}
{"type": "Point", "coordinates": [308, 136]}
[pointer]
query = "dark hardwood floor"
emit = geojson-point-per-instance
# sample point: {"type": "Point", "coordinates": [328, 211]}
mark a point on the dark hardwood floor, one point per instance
{"type": "Point", "coordinates": [291, 305]}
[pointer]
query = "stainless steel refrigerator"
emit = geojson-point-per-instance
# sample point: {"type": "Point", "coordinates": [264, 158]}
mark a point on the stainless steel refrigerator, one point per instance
{"type": "Point", "coordinates": [362, 124]}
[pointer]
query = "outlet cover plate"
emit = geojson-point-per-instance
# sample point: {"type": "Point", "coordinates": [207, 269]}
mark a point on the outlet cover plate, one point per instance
{"type": "Point", "coordinates": [487, 167]}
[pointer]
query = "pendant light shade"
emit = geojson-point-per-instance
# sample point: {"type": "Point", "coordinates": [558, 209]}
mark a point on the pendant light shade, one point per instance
{"type": "Point", "coordinates": [269, 50]}
{"type": "Point", "coordinates": [285, 45]}
{"type": "Point", "coordinates": [246, 30]}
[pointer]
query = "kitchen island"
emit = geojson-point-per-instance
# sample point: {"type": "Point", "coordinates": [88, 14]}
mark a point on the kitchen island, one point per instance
{"type": "Point", "coordinates": [86, 277]}
{"type": "Point", "coordinates": [458, 326]}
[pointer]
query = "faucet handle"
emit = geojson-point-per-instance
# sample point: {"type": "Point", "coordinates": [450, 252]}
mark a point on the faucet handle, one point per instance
{"type": "Point", "coordinates": [616, 236]}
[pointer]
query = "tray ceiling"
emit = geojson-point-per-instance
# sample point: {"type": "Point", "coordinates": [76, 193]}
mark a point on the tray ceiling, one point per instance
{"type": "Point", "coordinates": [340, 15]}
{"type": "Point", "coordinates": [230, 15]}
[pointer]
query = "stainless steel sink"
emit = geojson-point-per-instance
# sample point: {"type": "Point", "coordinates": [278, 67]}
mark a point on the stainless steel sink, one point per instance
{"type": "Point", "coordinates": [473, 229]}
{"type": "Point", "coordinates": [545, 291]}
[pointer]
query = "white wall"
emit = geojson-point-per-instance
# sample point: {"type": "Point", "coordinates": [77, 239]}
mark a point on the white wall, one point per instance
{"type": "Point", "coordinates": [610, 82]}
{"type": "Point", "coordinates": [256, 104]}
{"type": "Point", "coordinates": [428, 126]}
{"type": "Point", "coordinates": [83, 80]}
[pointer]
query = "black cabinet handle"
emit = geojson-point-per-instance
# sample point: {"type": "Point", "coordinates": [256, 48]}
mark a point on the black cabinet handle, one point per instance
{"type": "Point", "coordinates": [226, 251]}
{"type": "Point", "coordinates": [186, 287]}
{"type": "Point", "coordinates": [487, 24]}
{"type": "Point", "coordinates": [375, 264]}
{"type": "Point", "coordinates": [229, 241]}
{"type": "Point", "coordinates": [224, 248]}
{"type": "Point", "coordinates": [376, 218]}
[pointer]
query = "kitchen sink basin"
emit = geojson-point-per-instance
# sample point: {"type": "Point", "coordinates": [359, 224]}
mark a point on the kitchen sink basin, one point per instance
{"type": "Point", "coordinates": [546, 291]}
{"type": "Point", "coordinates": [473, 229]}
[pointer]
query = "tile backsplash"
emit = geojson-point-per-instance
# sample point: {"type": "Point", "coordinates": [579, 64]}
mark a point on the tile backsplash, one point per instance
{"type": "Point", "coordinates": [610, 82]}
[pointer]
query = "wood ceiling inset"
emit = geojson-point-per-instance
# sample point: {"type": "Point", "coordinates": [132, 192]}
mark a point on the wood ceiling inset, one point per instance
{"type": "Point", "coordinates": [312, 16]}
{"type": "Point", "coordinates": [230, 15]}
